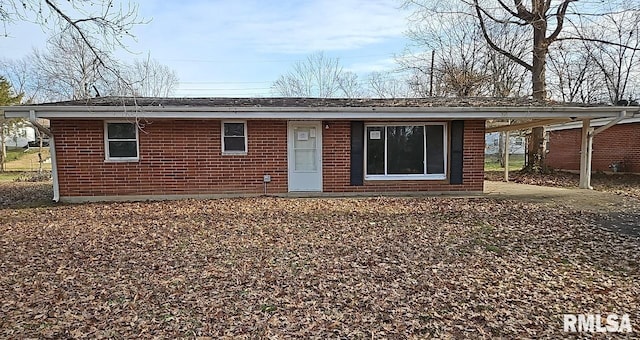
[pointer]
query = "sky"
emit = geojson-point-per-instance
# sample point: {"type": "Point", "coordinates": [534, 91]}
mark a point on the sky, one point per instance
{"type": "Point", "coordinates": [239, 48]}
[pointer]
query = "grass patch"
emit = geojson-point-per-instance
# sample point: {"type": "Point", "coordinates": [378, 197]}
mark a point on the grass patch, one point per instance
{"type": "Point", "coordinates": [492, 163]}
{"type": "Point", "coordinates": [15, 154]}
{"type": "Point", "coordinates": [19, 159]}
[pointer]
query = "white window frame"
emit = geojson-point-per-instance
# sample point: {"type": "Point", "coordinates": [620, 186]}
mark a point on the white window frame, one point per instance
{"type": "Point", "coordinates": [108, 158]}
{"type": "Point", "coordinates": [397, 177]}
{"type": "Point", "coordinates": [246, 137]}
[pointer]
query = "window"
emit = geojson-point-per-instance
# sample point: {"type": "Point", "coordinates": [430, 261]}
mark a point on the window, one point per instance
{"type": "Point", "coordinates": [121, 141]}
{"type": "Point", "coordinates": [405, 151]}
{"type": "Point", "coordinates": [234, 137]}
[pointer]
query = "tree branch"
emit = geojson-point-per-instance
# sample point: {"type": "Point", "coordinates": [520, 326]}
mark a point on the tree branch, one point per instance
{"type": "Point", "coordinates": [600, 41]}
{"type": "Point", "coordinates": [506, 8]}
{"type": "Point", "coordinates": [493, 45]}
{"type": "Point", "coordinates": [74, 24]}
{"type": "Point", "coordinates": [503, 21]}
{"type": "Point", "coordinates": [560, 14]}
{"type": "Point", "coordinates": [523, 13]}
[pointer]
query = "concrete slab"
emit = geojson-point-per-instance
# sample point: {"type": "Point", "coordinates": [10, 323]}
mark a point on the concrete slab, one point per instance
{"type": "Point", "coordinates": [579, 199]}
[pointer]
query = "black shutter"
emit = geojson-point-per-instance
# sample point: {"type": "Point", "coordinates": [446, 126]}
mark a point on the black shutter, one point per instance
{"type": "Point", "coordinates": [357, 153]}
{"type": "Point", "coordinates": [457, 138]}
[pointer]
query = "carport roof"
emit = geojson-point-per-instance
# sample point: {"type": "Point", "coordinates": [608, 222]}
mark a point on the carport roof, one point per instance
{"type": "Point", "coordinates": [315, 108]}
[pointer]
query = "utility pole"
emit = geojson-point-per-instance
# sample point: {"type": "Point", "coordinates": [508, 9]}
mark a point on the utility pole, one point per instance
{"type": "Point", "coordinates": [433, 55]}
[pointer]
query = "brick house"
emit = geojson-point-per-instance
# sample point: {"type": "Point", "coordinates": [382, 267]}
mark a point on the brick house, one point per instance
{"type": "Point", "coordinates": [615, 149]}
{"type": "Point", "coordinates": [114, 148]}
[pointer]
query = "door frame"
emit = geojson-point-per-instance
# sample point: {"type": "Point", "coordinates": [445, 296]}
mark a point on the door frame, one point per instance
{"type": "Point", "coordinates": [290, 125]}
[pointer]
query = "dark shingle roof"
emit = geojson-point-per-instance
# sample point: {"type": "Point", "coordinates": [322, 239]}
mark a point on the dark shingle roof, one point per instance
{"type": "Point", "coordinates": [315, 102]}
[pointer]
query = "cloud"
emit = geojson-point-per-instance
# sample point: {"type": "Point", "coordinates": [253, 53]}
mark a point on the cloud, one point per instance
{"type": "Point", "coordinates": [287, 26]}
{"type": "Point", "coordinates": [331, 25]}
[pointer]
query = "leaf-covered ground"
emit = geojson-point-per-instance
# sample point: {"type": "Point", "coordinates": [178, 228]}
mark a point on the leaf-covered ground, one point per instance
{"type": "Point", "coordinates": [339, 268]}
{"type": "Point", "coordinates": [24, 194]}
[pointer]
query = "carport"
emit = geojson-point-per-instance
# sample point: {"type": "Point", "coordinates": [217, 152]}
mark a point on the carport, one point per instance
{"type": "Point", "coordinates": [565, 114]}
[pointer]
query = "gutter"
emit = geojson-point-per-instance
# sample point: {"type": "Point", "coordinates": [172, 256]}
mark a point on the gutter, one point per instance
{"type": "Point", "coordinates": [429, 109]}
{"type": "Point", "coordinates": [311, 113]}
{"type": "Point", "coordinates": [52, 149]}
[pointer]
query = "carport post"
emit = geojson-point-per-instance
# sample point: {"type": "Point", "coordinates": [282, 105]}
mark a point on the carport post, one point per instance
{"type": "Point", "coordinates": [506, 156]}
{"type": "Point", "coordinates": [585, 155]}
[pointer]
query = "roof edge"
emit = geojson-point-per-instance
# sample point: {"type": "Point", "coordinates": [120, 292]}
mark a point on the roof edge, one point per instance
{"type": "Point", "coordinates": [337, 113]}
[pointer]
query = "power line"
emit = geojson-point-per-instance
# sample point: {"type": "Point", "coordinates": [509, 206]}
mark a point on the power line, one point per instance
{"type": "Point", "coordinates": [224, 82]}
{"type": "Point", "coordinates": [227, 89]}
{"type": "Point", "coordinates": [272, 60]}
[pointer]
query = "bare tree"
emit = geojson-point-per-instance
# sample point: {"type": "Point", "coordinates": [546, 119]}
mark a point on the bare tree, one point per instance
{"type": "Point", "coordinates": [388, 85]}
{"type": "Point", "coordinates": [459, 66]}
{"type": "Point", "coordinates": [317, 76]}
{"type": "Point", "coordinates": [143, 78]}
{"type": "Point", "coordinates": [573, 76]}
{"type": "Point", "coordinates": [545, 23]}
{"type": "Point", "coordinates": [150, 78]}
{"type": "Point", "coordinates": [506, 78]}
{"type": "Point", "coordinates": [69, 69]}
{"type": "Point", "coordinates": [100, 25]}
{"type": "Point", "coordinates": [24, 78]}
{"type": "Point", "coordinates": [350, 85]}
{"type": "Point", "coordinates": [8, 127]}
{"type": "Point", "coordinates": [461, 63]}
{"type": "Point", "coordinates": [618, 64]}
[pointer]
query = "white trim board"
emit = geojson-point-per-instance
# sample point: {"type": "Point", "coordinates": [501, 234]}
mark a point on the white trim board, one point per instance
{"type": "Point", "coordinates": [594, 123]}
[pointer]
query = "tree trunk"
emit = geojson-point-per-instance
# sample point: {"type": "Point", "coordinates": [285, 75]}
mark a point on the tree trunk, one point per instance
{"type": "Point", "coordinates": [40, 160]}
{"type": "Point", "coordinates": [501, 148]}
{"type": "Point", "coordinates": [536, 154]}
{"type": "Point", "coordinates": [3, 149]}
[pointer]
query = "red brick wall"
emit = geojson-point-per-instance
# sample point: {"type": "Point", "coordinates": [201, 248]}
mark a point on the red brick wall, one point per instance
{"type": "Point", "coordinates": [176, 157]}
{"type": "Point", "coordinates": [616, 144]}
{"type": "Point", "coordinates": [184, 157]}
{"type": "Point", "coordinates": [336, 164]}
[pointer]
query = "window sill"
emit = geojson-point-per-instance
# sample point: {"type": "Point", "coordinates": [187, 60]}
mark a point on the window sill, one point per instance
{"type": "Point", "coordinates": [122, 160]}
{"type": "Point", "coordinates": [405, 178]}
{"type": "Point", "coordinates": [234, 153]}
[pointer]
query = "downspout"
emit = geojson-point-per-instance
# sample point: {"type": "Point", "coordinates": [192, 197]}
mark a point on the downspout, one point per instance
{"type": "Point", "coordinates": [52, 150]}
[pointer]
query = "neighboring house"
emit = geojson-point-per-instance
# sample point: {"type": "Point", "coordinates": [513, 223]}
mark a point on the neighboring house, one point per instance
{"type": "Point", "coordinates": [615, 149]}
{"type": "Point", "coordinates": [24, 136]}
{"type": "Point", "coordinates": [517, 144]}
{"type": "Point", "coordinates": [205, 147]}
{"type": "Point", "coordinates": [20, 137]}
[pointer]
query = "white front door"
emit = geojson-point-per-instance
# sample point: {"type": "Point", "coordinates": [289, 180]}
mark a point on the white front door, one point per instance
{"type": "Point", "coordinates": [305, 156]}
